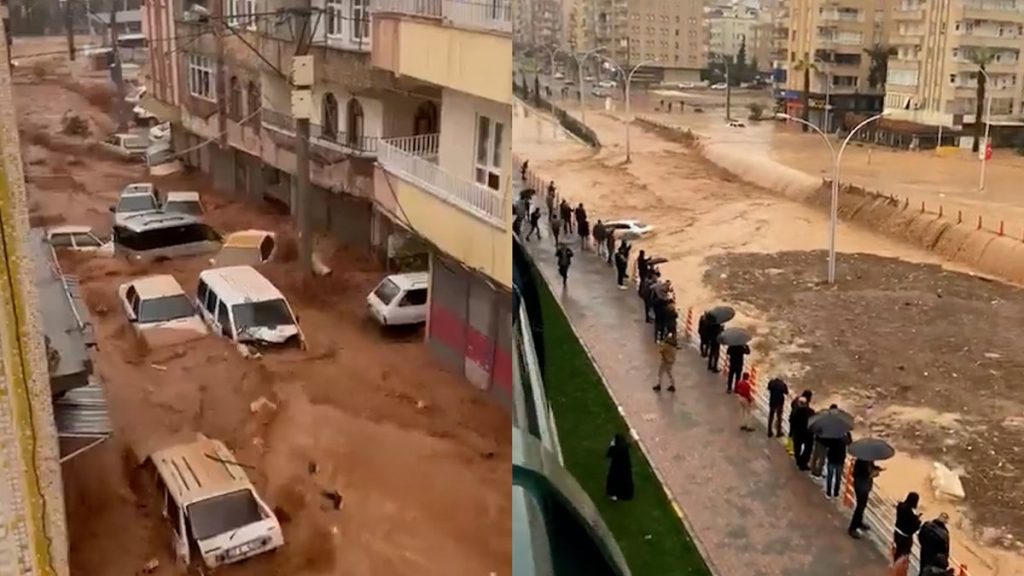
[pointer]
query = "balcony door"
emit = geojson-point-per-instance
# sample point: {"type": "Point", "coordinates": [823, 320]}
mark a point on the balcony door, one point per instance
{"type": "Point", "coordinates": [489, 140]}
{"type": "Point", "coordinates": [425, 121]}
{"type": "Point", "coordinates": [349, 21]}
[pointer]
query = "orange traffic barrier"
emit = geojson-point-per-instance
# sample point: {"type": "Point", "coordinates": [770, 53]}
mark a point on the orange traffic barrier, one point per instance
{"type": "Point", "coordinates": [753, 377]}
{"type": "Point", "coordinates": [689, 323]}
{"type": "Point", "coordinates": [848, 484]}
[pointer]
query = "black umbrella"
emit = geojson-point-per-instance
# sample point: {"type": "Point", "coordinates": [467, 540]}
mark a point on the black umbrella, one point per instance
{"type": "Point", "coordinates": [734, 337]}
{"type": "Point", "coordinates": [722, 314]}
{"type": "Point", "coordinates": [657, 260]}
{"type": "Point", "coordinates": [872, 449]}
{"type": "Point", "coordinates": [831, 424]}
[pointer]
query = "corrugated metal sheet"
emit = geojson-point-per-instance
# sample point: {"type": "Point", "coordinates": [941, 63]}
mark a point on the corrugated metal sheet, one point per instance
{"type": "Point", "coordinates": [82, 413]}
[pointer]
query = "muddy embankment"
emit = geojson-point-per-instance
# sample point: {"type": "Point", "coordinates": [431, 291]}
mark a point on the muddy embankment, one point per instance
{"type": "Point", "coordinates": [962, 242]}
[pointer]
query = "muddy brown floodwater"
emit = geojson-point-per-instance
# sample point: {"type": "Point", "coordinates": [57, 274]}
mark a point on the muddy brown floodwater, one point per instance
{"type": "Point", "coordinates": [420, 458]}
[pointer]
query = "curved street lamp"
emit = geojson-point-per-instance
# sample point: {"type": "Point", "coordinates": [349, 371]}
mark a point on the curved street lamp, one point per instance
{"type": "Point", "coordinates": [988, 124]}
{"type": "Point", "coordinates": [837, 157]}
{"type": "Point", "coordinates": [628, 79]}
{"type": "Point", "coordinates": [580, 61]}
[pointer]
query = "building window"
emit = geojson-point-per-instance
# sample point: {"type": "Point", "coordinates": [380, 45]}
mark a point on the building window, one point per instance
{"type": "Point", "coordinates": [329, 117]}
{"type": "Point", "coordinates": [425, 121]}
{"type": "Point", "coordinates": [489, 136]}
{"type": "Point", "coordinates": [360, 20]}
{"type": "Point", "coordinates": [200, 77]}
{"type": "Point", "coordinates": [253, 105]}
{"type": "Point", "coordinates": [354, 117]}
{"type": "Point", "coordinates": [349, 20]}
{"type": "Point", "coordinates": [335, 18]}
{"type": "Point", "coordinates": [234, 99]}
{"type": "Point", "coordinates": [242, 13]}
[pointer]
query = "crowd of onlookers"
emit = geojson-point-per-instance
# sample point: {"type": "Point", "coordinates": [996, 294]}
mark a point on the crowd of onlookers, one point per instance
{"type": "Point", "coordinates": [823, 458]}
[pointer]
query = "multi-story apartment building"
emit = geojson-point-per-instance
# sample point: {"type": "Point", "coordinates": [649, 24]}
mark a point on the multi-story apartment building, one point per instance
{"type": "Point", "coordinates": [829, 38]}
{"type": "Point", "coordinates": [933, 76]}
{"type": "Point", "coordinates": [779, 15]}
{"type": "Point", "coordinates": [540, 23]}
{"type": "Point", "coordinates": [673, 34]}
{"type": "Point", "coordinates": [410, 137]}
{"type": "Point", "coordinates": [728, 29]}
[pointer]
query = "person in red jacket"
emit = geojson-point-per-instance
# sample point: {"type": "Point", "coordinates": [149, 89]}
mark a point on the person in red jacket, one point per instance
{"type": "Point", "coordinates": [744, 391]}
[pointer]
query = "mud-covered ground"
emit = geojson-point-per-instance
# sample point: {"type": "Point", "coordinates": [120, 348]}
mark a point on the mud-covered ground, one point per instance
{"type": "Point", "coordinates": [891, 332]}
{"type": "Point", "coordinates": [420, 458]}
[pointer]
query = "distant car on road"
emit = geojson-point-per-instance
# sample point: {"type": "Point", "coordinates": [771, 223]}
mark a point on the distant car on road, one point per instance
{"type": "Point", "coordinates": [559, 76]}
{"type": "Point", "coordinates": [607, 84]}
{"type": "Point", "coordinates": [719, 86]}
{"type": "Point", "coordinates": [569, 82]}
{"type": "Point", "coordinates": [599, 93]}
{"type": "Point", "coordinates": [736, 124]}
{"type": "Point", "coordinates": [129, 146]}
{"type": "Point", "coordinates": [629, 229]}
{"type": "Point", "coordinates": [588, 78]}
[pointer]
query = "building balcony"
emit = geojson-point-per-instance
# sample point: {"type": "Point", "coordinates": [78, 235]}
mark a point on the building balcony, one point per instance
{"type": "Point", "coordinates": [907, 15]}
{"type": "Point", "coordinates": [335, 141]}
{"type": "Point", "coordinates": [899, 39]}
{"type": "Point", "coordinates": [835, 16]}
{"type": "Point", "coordinates": [470, 222]}
{"type": "Point", "coordinates": [979, 39]}
{"type": "Point", "coordinates": [455, 44]}
{"type": "Point", "coordinates": [978, 11]}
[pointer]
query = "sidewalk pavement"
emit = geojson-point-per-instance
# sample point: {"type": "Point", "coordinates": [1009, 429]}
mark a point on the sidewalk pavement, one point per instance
{"type": "Point", "coordinates": [748, 507]}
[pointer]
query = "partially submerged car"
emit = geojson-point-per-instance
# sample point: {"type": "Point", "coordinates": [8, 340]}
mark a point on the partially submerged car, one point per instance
{"type": "Point", "coordinates": [138, 198]}
{"type": "Point", "coordinates": [130, 146]}
{"type": "Point", "coordinates": [158, 235]}
{"type": "Point", "coordinates": [246, 248]}
{"type": "Point", "coordinates": [629, 229]}
{"type": "Point", "coordinates": [183, 203]}
{"type": "Point", "coordinates": [78, 239]}
{"type": "Point", "coordinates": [240, 304]}
{"type": "Point", "coordinates": [215, 513]}
{"type": "Point", "coordinates": [160, 311]}
{"type": "Point", "coordinates": [400, 299]}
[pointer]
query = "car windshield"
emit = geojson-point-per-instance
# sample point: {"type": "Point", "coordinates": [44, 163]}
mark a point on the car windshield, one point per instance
{"type": "Point", "coordinates": [266, 314]}
{"type": "Point", "coordinates": [136, 203]}
{"type": "Point", "coordinates": [222, 514]}
{"type": "Point", "coordinates": [165, 308]}
{"type": "Point", "coordinates": [184, 207]}
{"type": "Point", "coordinates": [386, 291]}
{"type": "Point", "coordinates": [135, 143]}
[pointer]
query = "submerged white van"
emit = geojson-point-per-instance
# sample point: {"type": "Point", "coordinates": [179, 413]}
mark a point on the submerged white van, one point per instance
{"type": "Point", "coordinates": [215, 514]}
{"type": "Point", "coordinates": [242, 305]}
{"type": "Point", "coordinates": [400, 299]}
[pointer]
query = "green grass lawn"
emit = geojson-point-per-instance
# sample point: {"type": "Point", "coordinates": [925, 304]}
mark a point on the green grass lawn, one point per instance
{"type": "Point", "coordinates": [651, 536]}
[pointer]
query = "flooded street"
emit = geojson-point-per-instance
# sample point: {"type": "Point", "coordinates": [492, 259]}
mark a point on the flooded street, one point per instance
{"type": "Point", "coordinates": [907, 342]}
{"type": "Point", "coordinates": [420, 458]}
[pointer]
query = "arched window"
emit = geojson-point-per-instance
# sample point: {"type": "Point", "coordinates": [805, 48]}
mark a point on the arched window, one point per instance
{"type": "Point", "coordinates": [329, 117]}
{"type": "Point", "coordinates": [234, 99]}
{"type": "Point", "coordinates": [425, 121]}
{"type": "Point", "coordinates": [254, 101]}
{"type": "Point", "coordinates": [355, 123]}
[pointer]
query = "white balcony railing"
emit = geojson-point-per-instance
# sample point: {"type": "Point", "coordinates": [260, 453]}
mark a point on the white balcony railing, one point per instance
{"type": "Point", "coordinates": [397, 156]}
{"type": "Point", "coordinates": [493, 15]}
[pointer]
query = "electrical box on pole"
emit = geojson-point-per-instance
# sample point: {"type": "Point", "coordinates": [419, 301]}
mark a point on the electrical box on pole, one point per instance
{"type": "Point", "coordinates": [302, 71]}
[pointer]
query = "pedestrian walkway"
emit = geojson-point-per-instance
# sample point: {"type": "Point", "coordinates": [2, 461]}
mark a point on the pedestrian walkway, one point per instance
{"type": "Point", "coordinates": [747, 506]}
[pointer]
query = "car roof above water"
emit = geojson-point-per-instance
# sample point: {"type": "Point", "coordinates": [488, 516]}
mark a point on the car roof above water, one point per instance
{"type": "Point", "coordinates": [240, 284]}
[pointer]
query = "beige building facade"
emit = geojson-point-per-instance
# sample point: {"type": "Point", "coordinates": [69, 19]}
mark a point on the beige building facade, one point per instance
{"type": "Point", "coordinates": [673, 33]}
{"type": "Point", "coordinates": [830, 38]}
{"type": "Point", "coordinates": [933, 76]}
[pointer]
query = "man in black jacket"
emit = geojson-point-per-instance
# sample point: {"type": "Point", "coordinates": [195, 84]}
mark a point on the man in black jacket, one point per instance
{"type": "Point", "coordinates": [736, 355]}
{"type": "Point", "coordinates": [934, 540]}
{"type": "Point", "coordinates": [799, 415]}
{"type": "Point", "coordinates": [703, 329]}
{"type": "Point", "coordinates": [777, 392]}
{"type": "Point", "coordinates": [714, 348]}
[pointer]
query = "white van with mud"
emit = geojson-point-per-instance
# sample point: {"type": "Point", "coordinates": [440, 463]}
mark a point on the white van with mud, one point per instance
{"type": "Point", "coordinates": [400, 299]}
{"type": "Point", "coordinates": [215, 514]}
{"type": "Point", "coordinates": [240, 304]}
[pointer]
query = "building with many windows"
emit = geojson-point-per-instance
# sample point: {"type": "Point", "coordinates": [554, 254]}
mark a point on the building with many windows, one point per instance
{"type": "Point", "coordinates": [409, 137]}
{"type": "Point", "coordinates": [933, 75]}
{"type": "Point", "coordinates": [829, 44]}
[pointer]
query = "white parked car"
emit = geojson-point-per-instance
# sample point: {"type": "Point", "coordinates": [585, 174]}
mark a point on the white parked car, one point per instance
{"type": "Point", "coordinates": [78, 239]}
{"type": "Point", "coordinates": [157, 305]}
{"type": "Point", "coordinates": [183, 203]}
{"type": "Point", "coordinates": [629, 229]}
{"type": "Point", "coordinates": [719, 86]}
{"type": "Point", "coordinates": [136, 95]}
{"type": "Point", "coordinates": [144, 117]}
{"type": "Point", "coordinates": [400, 299]}
{"type": "Point", "coordinates": [160, 132]}
{"type": "Point", "coordinates": [139, 198]}
{"type": "Point", "coordinates": [607, 84]}
{"type": "Point", "coordinates": [215, 513]}
{"type": "Point", "coordinates": [130, 146]}
{"type": "Point", "coordinates": [559, 76]}
{"type": "Point", "coordinates": [588, 78]}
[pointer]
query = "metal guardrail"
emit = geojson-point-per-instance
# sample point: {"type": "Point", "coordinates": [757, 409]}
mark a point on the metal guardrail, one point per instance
{"type": "Point", "coordinates": [335, 139]}
{"type": "Point", "coordinates": [475, 199]}
{"type": "Point", "coordinates": [880, 514]}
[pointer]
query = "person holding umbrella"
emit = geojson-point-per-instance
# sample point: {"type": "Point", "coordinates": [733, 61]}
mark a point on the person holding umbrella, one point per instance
{"type": "Point", "coordinates": [704, 331]}
{"type": "Point", "coordinates": [642, 267]}
{"type": "Point", "coordinates": [777, 392]}
{"type": "Point", "coordinates": [867, 451]}
{"type": "Point", "coordinates": [799, 418]}
{"type": "Point", "coordinates": [714, 347]}
{"type": "Point", "coordinates": [736, 354]}
{"type": "Point", "coordinates": [619, 482]}
{"type": "Point", "coordinates": [647, 294]}
{"type": "Point", "coordinates": [835, 457]}
{"type": "Point", "coordinates": [828, 425]}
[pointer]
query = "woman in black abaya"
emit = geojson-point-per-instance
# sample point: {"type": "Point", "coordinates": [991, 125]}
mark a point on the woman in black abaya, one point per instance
{"type": "Point", "coordinates": [619, 485]}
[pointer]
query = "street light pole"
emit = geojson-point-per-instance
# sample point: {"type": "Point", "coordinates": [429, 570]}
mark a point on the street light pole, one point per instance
{"type": "Point", "coordinates": [580, 61]}
{"type": "Point", "coordinates": [837, 158]}
{"type": "Point", "coordinates": [629, 116]}
{"type": "Point", "coordinates": [988, 124]}
{"type": "Point", "coordinates": [828, 95]}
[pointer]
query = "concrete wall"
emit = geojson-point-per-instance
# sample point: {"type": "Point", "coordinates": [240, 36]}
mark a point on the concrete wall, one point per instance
{"type": "Point", "coordinates": [458, 133]}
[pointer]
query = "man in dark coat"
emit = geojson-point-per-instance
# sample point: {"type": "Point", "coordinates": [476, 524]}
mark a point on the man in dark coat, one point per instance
{"type": "Point", "coordinates": [736, 355]}
{"type": "Point", "coordinates": [565, 211]}
{"type": "Point", "coordinates": [777, 392]}
{"type": "Point", "coordinates": [619, 482]}
{"type": "Point", "coordinates": [621, 264]}
{"type": "Point", "coordinates": [703, 330]}
{"type": "Point", "coordinates": [934, 540]}
{"type": "Point", "coordinates": [583, 230]}
{"type": "Point", "coordinates": [671, 321]}
{"type": "Point", "coordinates": [714, 348]}
{"type": "Point", "coordinates": [646, 293]}
{"type": "Point", "coordinates": [599, 238]}
{"type": "Point", "coordinates": [864, 473]}
{"type": "Point", "coordinates": [609, 245]}
{"type": "Point", "coordinates": [534, 224]}
{"type": "Point", "coordinates": [580, 213]}
{"type": "Point", "coordinates": [659, 300]}
{"type": "Point", "coordinates": [564, 257]}
{"type": "Point", "coordinates": [800, 413]}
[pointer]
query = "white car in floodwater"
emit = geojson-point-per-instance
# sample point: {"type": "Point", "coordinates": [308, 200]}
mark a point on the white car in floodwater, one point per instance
{"type": "Point", "coordinates": [629, 229]}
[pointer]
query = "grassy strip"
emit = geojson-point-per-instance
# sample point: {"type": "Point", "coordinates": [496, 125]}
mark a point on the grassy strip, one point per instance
{"type": "Point", "coordinates": [651, 536]}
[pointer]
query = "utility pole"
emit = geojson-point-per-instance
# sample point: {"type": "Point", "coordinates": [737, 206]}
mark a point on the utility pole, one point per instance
{"type": "Point", "coordinates": [69, 25]}
{"type": "Point", "coordinates": [116, 72]}
{"type": "Point", "coordinates": [728, 91]}
{"type": "Point", "coordinates": [302, 109]}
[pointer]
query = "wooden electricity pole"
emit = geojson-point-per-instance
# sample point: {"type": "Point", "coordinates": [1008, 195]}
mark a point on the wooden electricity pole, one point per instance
{"type": "Point", "coordinates": [69, 28]}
